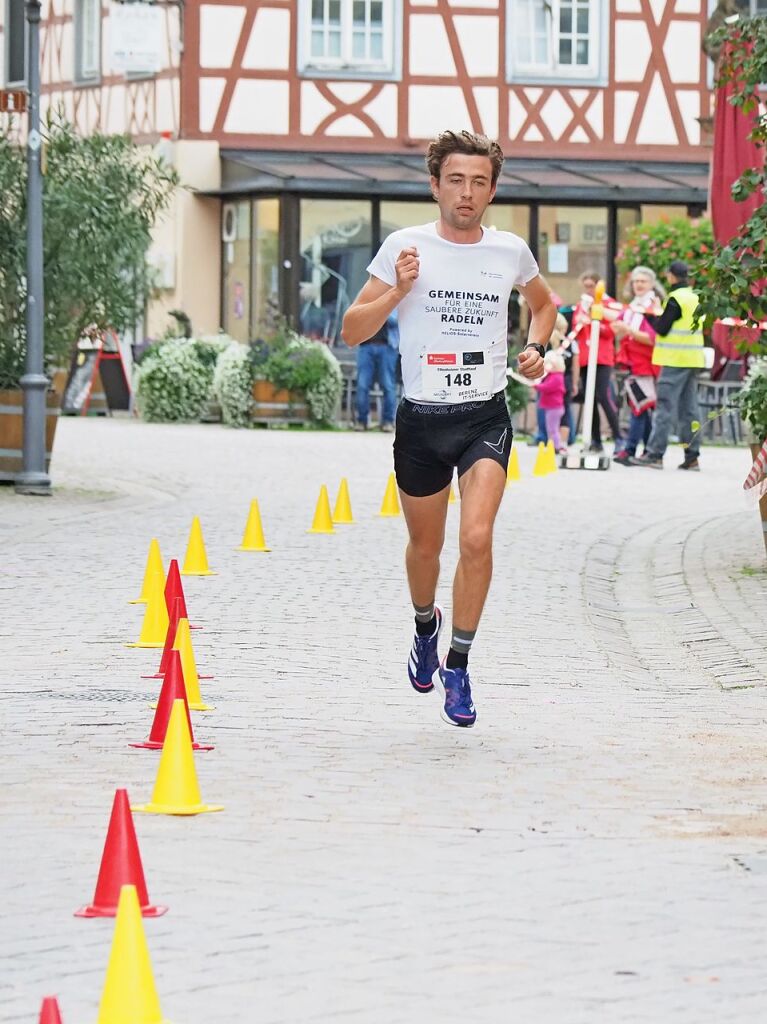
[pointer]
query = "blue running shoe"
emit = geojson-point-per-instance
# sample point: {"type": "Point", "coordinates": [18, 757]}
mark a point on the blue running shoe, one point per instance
{"type": "Point", "coordinates": [459, 707]}
{"type": "Point", "coordinates": [424, 659]}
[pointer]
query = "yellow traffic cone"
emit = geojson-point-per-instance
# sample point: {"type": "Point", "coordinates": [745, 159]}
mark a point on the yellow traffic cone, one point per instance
{"type": "Point", "coordinates": [129, 995]}
{"type": "Point", "coordinates": [153, 565]}
{"type": "Point", "coordinates": [196, 559]}
{"type": "Point", "coordinates": [342, 513]}
{"type": "Point", "coordinates": [512, 473]}
{"type": "Point", "coordinates": [183, 644]}
{"type": "Point", "coordinates": [323, 521]}
{"type": "Point", "coordinates": [551, 458]}
{"type": "Point", "coordinates": [390, 503]}
{"type": "Point", "coordinates": [155, 626]}
{"type": "Point", "coordinates": [176, 790]}
{"type": "Point", "coordinates": [451, 497]}
{"type": "Point", "coordinates": [540, 468]}
{"type": "Point", "coordinates": [253, 538]}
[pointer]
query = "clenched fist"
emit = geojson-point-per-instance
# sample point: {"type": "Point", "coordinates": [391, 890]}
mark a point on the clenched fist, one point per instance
{"type": "Point", "coordinates": [406, 266]}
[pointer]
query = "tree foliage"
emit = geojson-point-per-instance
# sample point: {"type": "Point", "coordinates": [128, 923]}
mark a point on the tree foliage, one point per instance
{"type": "Point", "coordinates": [656, 245]}
{"type": "Point", "coordinates": [735, 273]}
{"type": "Point", "coordinates": [101, 198]}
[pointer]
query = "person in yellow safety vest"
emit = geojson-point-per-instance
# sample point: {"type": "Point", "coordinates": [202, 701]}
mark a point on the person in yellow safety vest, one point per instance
{"type": "Point", "coordinates": [679, 352]}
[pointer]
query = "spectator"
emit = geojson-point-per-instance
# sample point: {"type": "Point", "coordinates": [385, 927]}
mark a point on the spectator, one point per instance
{"type": "Point", "coordinates": [551, 396]}
{"type": "Point", "coordinates": [637, 338]}
{"type": "Point", "coordinates": [567, 347]}
{"type": "Point", "coordinates": [679, 353]}
{"type": "Point", "coordinates": [555, 341]}
{"type": "Point", "coordinates": [581, 332]}
{"type": "Point", "coordinates": [377, 360]}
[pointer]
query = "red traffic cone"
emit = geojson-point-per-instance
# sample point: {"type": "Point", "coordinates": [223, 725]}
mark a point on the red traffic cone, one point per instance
{"type": "Point", "coordinates": [174, 614]}
{"type": "Point", "coordinates": [49, 1011]}
{"type": "Point", "coordinates": [120, 865]}
{"type": "Point", "coordinates": [174, 588]}
{"type": "Point", "coordinates": [173, 688]}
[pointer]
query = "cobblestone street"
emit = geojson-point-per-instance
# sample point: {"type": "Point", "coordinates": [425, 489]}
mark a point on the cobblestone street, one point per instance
{"type": "Point", "coordinates": [594, 850]}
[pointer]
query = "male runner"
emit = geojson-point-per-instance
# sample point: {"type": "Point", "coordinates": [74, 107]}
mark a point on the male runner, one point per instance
{"type": "Point", "coordinates": [450, 282]}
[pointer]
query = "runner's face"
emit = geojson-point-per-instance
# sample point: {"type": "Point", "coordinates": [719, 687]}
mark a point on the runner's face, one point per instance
{"type": "Point", "coordinates": [464, 190]}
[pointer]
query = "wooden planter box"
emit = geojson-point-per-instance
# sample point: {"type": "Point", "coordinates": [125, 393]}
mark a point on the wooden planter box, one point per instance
{"type": "Point", "coordinates": [276, 406]}
{"type": "Point", "coordinates": [12, 431]}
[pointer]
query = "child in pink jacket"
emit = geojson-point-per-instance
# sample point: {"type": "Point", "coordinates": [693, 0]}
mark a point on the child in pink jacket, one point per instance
{"type": "Point", "coordinates": [551, 396]}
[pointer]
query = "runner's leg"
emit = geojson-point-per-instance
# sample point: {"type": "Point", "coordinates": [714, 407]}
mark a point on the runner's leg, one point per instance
{"type": "Point", "coordinates": [482, 487]}
{"type": "Point", "coordinates": [425, 519]}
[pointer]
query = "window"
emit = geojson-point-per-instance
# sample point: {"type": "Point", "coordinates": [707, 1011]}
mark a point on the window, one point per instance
{"type": "Point", "coordinates": [571, 240]}
{"type": "Point", "coordinates": [758, 7]}
{"type": "Point", "coordinates": [88, 40]}
{"type": "Point", "coordinates": [353, 35]}
{"type": "Point", "coordinates": [335, 252]}
{"type": "Point", "coordinates": [15, 43]}
{"type": "Point", "coordinates": [556, 38]}
{"type": "Point", "coordinates": [237, 269]}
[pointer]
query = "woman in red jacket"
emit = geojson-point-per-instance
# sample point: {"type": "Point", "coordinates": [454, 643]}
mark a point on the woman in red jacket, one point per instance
{"type": "Point", "coordinates": [604, 393]}
{"type": "Point", "coordinates": [637, 339]}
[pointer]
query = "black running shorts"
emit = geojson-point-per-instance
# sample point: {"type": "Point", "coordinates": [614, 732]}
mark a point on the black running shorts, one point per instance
{"type": "Point", "coordinates": [432, 440]}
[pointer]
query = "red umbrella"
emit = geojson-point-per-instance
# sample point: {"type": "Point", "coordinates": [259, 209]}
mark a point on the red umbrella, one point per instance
{"type": "Point", "coordinates": [734, 152]}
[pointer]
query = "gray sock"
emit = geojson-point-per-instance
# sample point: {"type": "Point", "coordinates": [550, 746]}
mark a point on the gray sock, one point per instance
{"type": "Point", "coordinates": [425, 613]}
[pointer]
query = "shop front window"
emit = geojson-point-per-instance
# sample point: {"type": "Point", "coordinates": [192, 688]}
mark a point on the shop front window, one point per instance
{"type": "Point", "coordinates": [396, 215]}
{"type": "Point", "coordinates": [571, 240]}
{"type": "Point", "coordinates": [266, 267]}
{"type": "Point", "coordinates": [335, 253]}
{"type": "Point", "coordinates": [628, 217]}
{"type": "Point", "coordinates": [236, 277]}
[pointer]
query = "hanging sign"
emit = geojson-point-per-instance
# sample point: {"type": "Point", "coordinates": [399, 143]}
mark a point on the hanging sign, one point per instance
{"type": "Point", "coordinates": [136, 38]}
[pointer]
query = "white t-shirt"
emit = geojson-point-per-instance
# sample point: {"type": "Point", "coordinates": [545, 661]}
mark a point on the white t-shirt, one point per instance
{"type": "Point", "coordinates": [459, 304]}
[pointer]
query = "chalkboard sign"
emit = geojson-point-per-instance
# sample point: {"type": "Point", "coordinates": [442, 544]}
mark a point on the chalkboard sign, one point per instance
{"type": "Point", "coordinates": [115, 382]}
{"type": "Point", "coordinates": [81, 374]}
{"type": "Point", "coordinates": [97, 382]}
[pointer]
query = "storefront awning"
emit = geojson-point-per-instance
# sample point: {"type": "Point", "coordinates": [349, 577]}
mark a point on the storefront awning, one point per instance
{"type": "Point", "coordinates": [394, 176]}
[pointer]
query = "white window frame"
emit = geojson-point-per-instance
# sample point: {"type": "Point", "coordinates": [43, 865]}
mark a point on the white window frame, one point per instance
{"type": "Point", "coordinates": [348, 66]}
{"type": "Point", "coordinates": [754, 12]}
{"type": "Point", "coordinates": [532, 73]}
{"type": "Point", "coordinates": [14, 82]}
{"type": "Point", "coordinates": [87, 75]}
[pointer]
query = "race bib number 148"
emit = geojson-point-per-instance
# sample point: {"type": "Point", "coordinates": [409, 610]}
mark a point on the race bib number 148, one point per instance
{"type": "Point", "coordinates": [457, 377]}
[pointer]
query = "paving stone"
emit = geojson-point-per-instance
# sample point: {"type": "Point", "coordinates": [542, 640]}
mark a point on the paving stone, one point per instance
{"type": "Point", "coordinates": [576, 857]}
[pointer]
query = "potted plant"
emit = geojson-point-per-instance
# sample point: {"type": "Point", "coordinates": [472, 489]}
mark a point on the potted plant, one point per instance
{"type": "Point", "coordinates": [102, 196]}
{"type": "Point", "coordinates": [295, 378]}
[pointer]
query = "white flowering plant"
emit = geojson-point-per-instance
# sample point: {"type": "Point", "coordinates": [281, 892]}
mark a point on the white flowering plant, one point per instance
{"type": "Point", "coordinates": [233, 383]}
{"type": "Point", "coordinates": [172, 382]}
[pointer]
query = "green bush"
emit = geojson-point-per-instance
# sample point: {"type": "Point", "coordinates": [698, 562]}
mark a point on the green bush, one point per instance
{"type": "Point", "coordinates": [657, 245]}
{"type": "Point", "coordinates": [752, 398]}
{"type": "Point", "coordinates": [299, 364]}
{"type": "Point", "coordinates": [172, 382]}
{"type": "Point", "coordinates": [233, 383]}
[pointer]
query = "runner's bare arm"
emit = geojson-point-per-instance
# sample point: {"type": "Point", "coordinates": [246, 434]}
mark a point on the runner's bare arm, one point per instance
{"type": "Point", "coordinates": [543, 316]}
{"type": "Point", "coordinates": [368, 313]}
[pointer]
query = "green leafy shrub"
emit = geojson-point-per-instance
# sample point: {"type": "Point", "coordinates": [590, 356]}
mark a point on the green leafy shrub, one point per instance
{"type": "Point", "coordinates": [656, 245]}
{"type": "Point", "coordinates": [752, 398]}
{"type": "Point", "coordinates": [296, 363]}
{"type": "Point", "coordinates": [233, 383]}
{"type": "Point", "coordinates": [172, 383]}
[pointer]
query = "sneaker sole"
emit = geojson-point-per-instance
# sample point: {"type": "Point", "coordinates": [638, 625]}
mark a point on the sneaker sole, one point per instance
{"type": "Point", "coordinates": [427, 687]}
{"type": "Point", "coordinates": [444, 715]}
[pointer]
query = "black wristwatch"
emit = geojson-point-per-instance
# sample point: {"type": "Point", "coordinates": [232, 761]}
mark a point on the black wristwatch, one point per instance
{"type": "Point", "coordinates": [540, 349]}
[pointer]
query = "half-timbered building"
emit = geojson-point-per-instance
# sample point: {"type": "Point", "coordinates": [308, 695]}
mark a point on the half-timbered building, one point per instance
{"type": "Point", "coordinates": [300, 127]}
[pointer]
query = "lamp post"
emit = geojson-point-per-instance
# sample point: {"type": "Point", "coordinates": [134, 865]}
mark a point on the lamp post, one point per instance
{"type": "Point", "coordinates": [33, 478]}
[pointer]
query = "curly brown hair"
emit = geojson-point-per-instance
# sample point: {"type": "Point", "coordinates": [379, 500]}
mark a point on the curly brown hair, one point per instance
{"type": "Point", "coordinates": [448, 143]}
